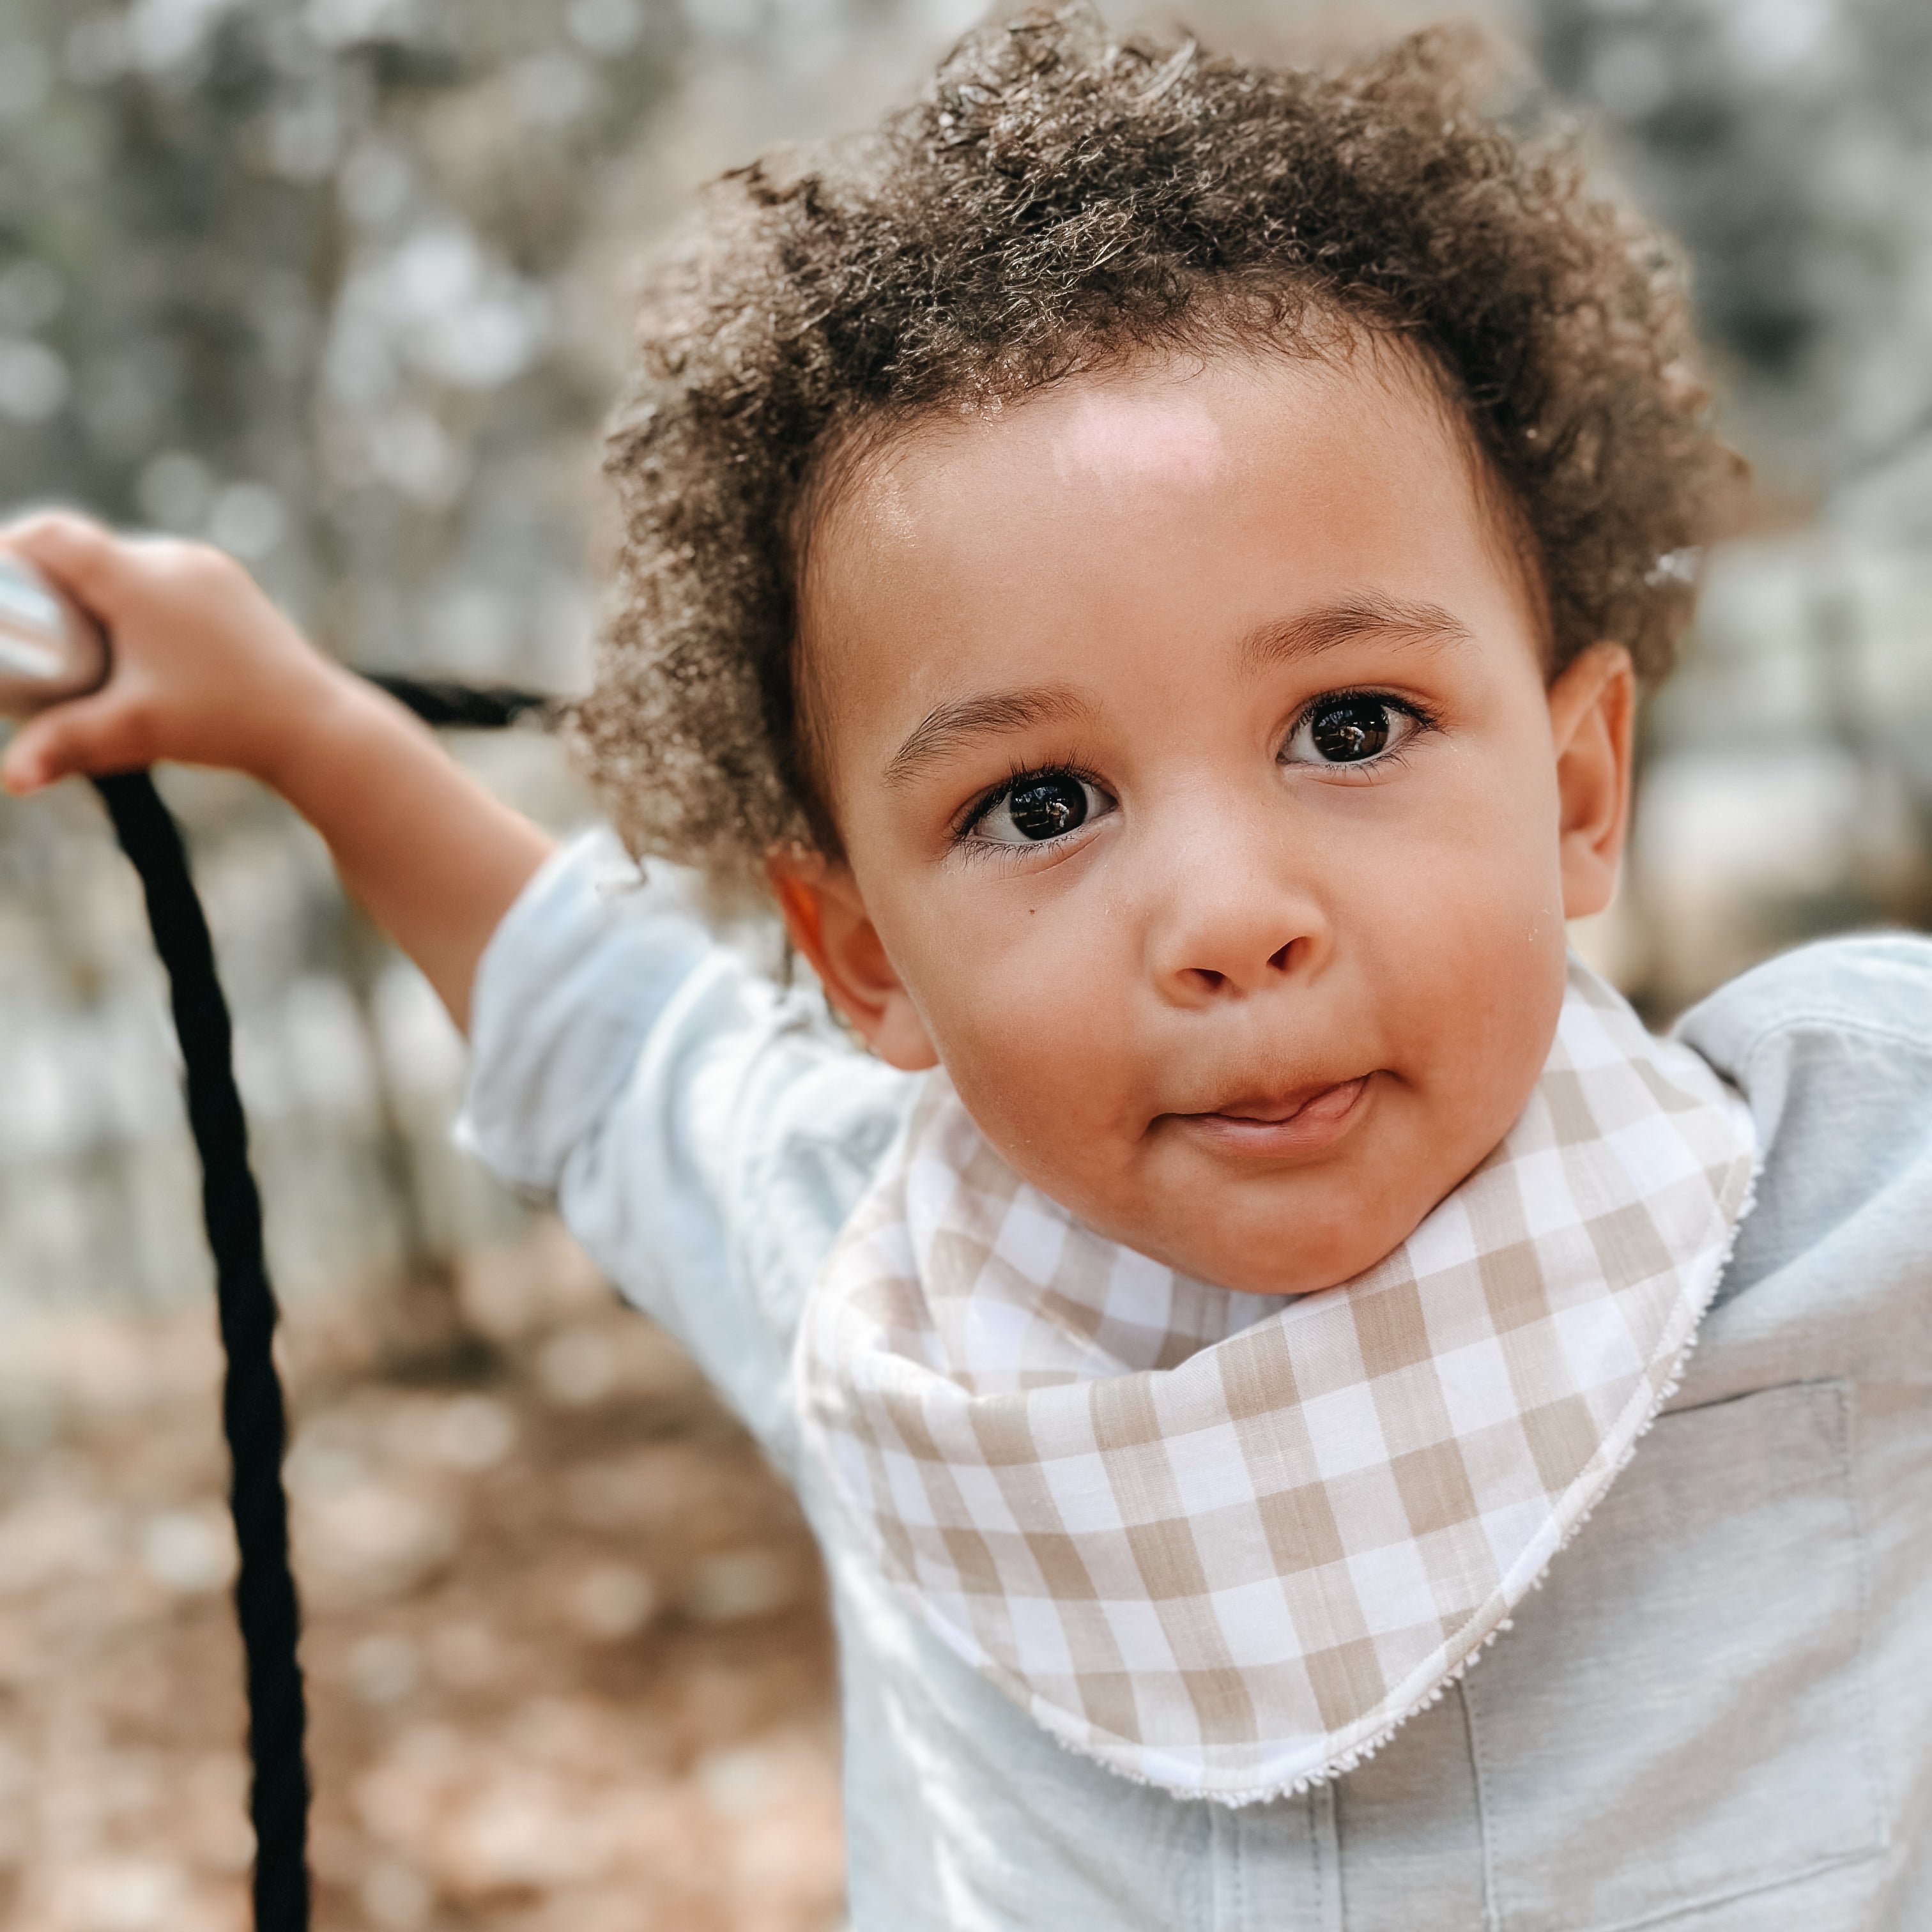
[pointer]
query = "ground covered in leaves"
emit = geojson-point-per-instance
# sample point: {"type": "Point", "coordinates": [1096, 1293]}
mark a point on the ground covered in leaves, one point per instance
{"type": "Point", "coordinates": [568, 1658]}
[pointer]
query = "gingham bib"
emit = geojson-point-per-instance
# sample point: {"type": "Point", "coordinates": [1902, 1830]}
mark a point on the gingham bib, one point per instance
{"type": "Point", "coordinates": [1227, 1543]}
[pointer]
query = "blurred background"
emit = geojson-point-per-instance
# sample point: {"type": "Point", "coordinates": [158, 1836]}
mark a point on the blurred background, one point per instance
{"type": "Point", "coordinates": [341, 285]}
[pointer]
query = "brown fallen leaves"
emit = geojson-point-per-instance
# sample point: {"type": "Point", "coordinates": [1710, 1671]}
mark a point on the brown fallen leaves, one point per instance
{"type": "Point", "coordinates": [568, 1659]}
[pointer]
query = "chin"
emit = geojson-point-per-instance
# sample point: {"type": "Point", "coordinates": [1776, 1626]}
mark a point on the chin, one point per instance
{"type": "Point", "coordinates": [1315, 1267]}
{"type": "Point", "coordinates": [1302, 1281]}
{"type": "Point", "coordinates": [1263, 1244]}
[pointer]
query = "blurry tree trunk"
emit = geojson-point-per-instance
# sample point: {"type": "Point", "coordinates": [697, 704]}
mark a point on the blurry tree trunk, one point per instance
{"type": "Point", "coordinates": [1835, 633]}
{"type": "Point", "coordinates": [419, 1317]}
{"type": "Point", "coordinates": [104, 1164]}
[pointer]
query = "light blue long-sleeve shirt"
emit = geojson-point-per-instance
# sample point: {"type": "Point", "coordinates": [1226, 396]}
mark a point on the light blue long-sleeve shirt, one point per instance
{"type": "Point", "coordinates": [1716, 1714]}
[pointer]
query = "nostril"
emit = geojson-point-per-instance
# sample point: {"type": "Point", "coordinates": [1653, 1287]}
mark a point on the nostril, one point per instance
{"type": "Point", "coordinates": [1281, 960]}
{"type": "Point", "coordinates": [1207, 979]}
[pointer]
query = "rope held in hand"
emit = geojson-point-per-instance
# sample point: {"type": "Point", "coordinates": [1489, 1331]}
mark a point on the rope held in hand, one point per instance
{"type": "Point", "coordinates": [251, 1397]}
{"type": "Point", "coordinates": [253, 1414]}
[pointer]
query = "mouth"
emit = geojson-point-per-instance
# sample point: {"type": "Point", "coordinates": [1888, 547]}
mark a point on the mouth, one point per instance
{"type": "Point", "coordinates": [1276, 1127]}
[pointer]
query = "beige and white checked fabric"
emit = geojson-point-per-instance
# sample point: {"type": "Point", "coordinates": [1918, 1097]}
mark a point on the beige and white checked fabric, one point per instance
{"type": "Point", "coordinates": [1226, 1543]}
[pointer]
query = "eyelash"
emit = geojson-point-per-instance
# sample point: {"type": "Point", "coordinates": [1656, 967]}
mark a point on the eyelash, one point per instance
{"type": "Point", "coordinates": [1425, 719]}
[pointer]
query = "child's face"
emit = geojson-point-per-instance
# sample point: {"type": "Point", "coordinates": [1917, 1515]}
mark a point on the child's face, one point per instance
{"type": "Point", "coordinates": [1205, 809]}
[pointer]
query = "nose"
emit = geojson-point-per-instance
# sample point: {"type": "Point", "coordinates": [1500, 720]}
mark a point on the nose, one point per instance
{"type": "Point", "coordinates": [1232, 917]}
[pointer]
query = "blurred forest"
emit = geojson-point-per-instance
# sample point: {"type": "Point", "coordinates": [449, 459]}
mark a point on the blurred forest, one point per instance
{"type": "Point", "coordinates": [341, 286]}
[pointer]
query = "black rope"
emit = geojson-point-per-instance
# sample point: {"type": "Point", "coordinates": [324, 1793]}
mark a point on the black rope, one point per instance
{"type": "Point", "coordinates": [477, 706]}
{"type": "Point", "coordinates": [251, 1397]}
{"type": "Point", "coordinates": [252, 1414]}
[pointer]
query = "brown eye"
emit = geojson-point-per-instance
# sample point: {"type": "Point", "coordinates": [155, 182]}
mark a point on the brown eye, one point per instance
{"type": "Point", "coordinates": [1039, 806]}
{"type": "Point", "coordinates": [1348, 729]}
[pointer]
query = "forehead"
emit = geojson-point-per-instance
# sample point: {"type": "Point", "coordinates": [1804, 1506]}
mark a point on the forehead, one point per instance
{"type": "Point", "coordinates": [1182, 502]}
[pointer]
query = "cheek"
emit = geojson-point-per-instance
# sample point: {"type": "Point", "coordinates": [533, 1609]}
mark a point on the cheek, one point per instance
{"type": "Point", "coordinates": [1474, 953]}
{"type": "Point", "coordinates": [1026, 1009]}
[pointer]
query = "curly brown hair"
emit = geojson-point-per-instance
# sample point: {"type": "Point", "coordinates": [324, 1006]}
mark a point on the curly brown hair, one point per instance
{"type": "Point", "coordinates": [1057, 200]}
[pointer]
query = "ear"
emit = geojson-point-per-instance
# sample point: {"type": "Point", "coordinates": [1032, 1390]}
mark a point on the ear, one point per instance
{"type": "Point", "coordinates": [1592, 721]}
{"type": "Point", "coordinates": [828, 923]}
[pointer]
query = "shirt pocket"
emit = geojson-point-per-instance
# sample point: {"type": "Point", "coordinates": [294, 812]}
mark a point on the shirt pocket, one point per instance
{"type": "Point", "coordinates": [1681, 1716]}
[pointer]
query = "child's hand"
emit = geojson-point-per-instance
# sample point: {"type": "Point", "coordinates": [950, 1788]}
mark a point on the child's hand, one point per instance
{"type": "Point", "coordinates": [206, 670]}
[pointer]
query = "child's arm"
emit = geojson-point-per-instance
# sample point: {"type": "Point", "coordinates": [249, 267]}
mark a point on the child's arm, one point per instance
{"type": "Point", "coordinates": [207, 671]}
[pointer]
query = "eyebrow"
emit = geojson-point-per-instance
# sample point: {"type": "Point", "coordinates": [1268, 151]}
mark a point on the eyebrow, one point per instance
{"type": "Point", "coordinates": [960, 720]}
{"type": "Point", "coordinates": [1394, 620]}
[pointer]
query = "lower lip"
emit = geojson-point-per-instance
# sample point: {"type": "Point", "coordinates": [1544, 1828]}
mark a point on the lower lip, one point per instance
{"type": "Point", "coordinates": [1318, 1123]}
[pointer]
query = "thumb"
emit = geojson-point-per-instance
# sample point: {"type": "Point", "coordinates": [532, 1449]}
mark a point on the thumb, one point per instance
{"type": "Point", "coordinates": [90, 734]}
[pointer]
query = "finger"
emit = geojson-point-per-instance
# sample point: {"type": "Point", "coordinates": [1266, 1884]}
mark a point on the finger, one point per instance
{"type": "Point", "coordinates": [36, 523]}
{"type": "Point", "coordinates": [84, 558]}
{"type": "Point", "coordinates": [91, 734]}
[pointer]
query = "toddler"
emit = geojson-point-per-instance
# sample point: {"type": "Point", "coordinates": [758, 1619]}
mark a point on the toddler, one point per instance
{"type": "Point", "coordinates": [1147, 559]}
